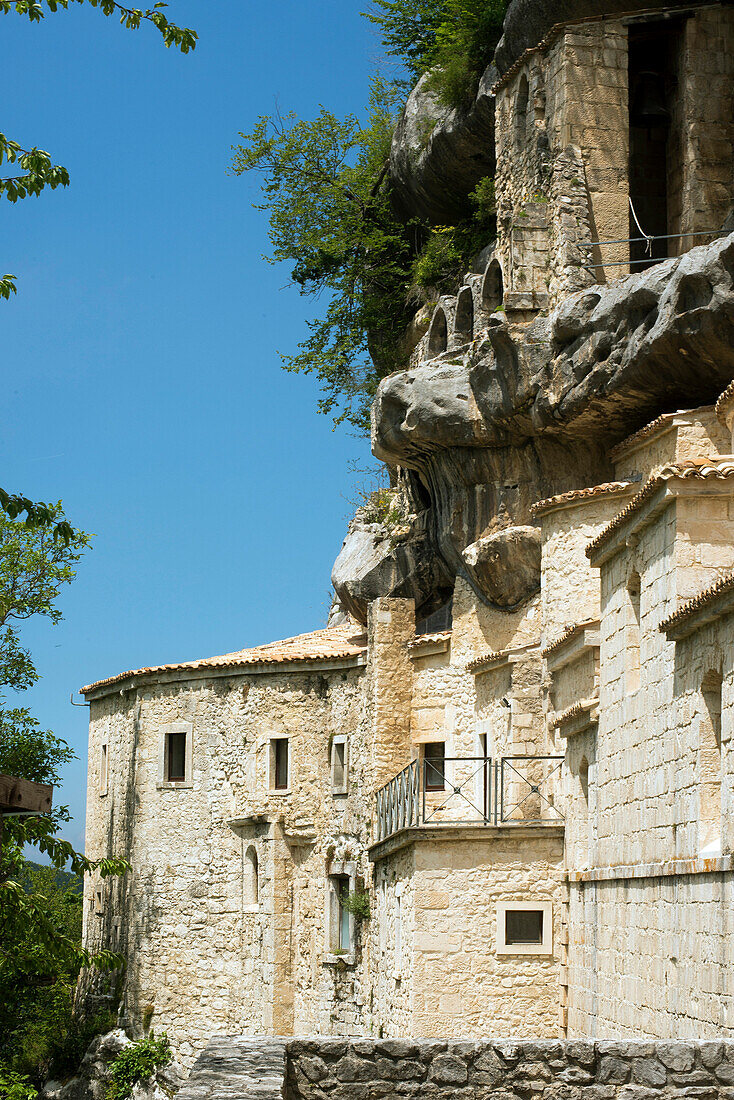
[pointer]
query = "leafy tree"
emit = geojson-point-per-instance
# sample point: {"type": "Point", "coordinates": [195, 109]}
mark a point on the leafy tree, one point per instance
{"type": "Point", "coordinates": [409, 30]}
{"type": "Point", "coordinates": [40, 942]}
{"type": "Point", "coordinates": [324, 186]}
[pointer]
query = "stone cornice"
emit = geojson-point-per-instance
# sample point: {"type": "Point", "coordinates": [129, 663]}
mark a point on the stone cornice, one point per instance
{"type": "Point", "coordinates": [665, 869]}
{"type": "Point", "coordinates": [712, 604]}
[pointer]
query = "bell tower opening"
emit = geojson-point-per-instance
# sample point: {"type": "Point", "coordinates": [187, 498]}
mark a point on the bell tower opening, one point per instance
{"type": "Point", "coordinates": [655, 178]}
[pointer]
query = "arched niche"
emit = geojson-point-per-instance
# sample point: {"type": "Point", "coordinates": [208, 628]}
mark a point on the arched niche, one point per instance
{"type": "Point", "coordinates": [493, 288]}
{"type": "Point", "coordinates": [438, 334]}
{"type": "Point", "coordinates": [521, 108]}
{"type": "Point", "coordinates": [464, 321]}
{"type": "Point", "coordinates": [251, 883]}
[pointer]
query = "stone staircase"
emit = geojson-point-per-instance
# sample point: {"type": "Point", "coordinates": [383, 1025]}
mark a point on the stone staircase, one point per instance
{"type": "Point", "coordinates": [238, 1068]}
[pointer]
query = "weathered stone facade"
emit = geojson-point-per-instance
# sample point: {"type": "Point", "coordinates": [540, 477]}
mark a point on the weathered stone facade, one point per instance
{"type": "Point", "coordinates": [519, 821]}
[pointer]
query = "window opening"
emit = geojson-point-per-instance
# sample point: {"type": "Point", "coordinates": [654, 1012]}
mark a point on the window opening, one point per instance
{"type": "Point", "coordinates": [398, 928]}
{"type": "Point", "coordinates": [339, 765]}
{"type": "Point", "coordinates": [438, 336]}
{"type": "Point", "coordinates": [251, 881]}
{"type": "Point", "coordinates": [709, 755]}
{"type": "Point", "coordinates": [279, 763]}
{"type": "Point", "coordinates": [523, 926]}
{"type": "Point", "coordinates": [103, 766]}
{"type": "Point", "coordinates": [493, 292]}
{"type": "Point", "coordinates": [434, 763]}
{"type": "Point", "coordinates": [341, 925]}
{"type": "Point", "coordinates": [464, 323]}
{"type": "Point", "coordinates": [633, 633]}
{"type": "Point", "coordinates": [521, 109]}
{"type": "Point", "coordinates": [655, 177]}
{"type": "Point", "coordinates": [175, 757]}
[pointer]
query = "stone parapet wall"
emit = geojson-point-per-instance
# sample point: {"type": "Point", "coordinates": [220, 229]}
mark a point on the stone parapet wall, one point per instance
{"type": "Point", "coordinates": [505, 1069]}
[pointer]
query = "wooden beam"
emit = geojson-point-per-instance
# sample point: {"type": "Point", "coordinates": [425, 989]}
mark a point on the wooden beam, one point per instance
{"type": "Point", "coordinates": [23, 796]}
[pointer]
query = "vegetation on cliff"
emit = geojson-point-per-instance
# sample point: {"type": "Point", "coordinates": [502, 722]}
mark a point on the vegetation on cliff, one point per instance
{"type": "Point", "coordinates": [326, 190]}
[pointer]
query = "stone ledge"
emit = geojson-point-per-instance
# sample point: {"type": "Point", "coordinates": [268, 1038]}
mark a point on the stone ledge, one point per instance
{"type": "Point", "coordinates": [715, 866]}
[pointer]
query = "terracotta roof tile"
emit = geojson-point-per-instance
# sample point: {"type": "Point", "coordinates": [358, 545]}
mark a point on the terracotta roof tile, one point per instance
{"type": "Point", "coordinates": [651, 429]}
{"type": "Point", "coordinates": [492, 656]}
{"type": "Point", "coordinates": [703, 599]}
{"type": "Point", "coordinates": [329, 644]}
{"type": "Point", "coordinates": [724, 402]}
{"type": "Point", "coordinates": [429, 639]}
{"type": "Point", "coordinates": [702, 471]}
{"type": "Point", "coordinates": [566, 635]}
{"type": "Point", "coordinates": [609, 488]}
{"type": "Point", "coordinates": [574, 711]}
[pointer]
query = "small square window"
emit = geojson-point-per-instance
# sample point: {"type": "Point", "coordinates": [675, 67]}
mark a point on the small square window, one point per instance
{"type": "Point", "coordinates": [279, 764]}
{"type": "Point", "coordinates": [434, 764]}
{"type": "Point", "coordinates": [522, 927]}
{"type": "Point", "coordinates": [525, 928]}
{"type": "Point", "coordinates": [339, 765]}
{"type": "Point", "coordinates": [176, 757]}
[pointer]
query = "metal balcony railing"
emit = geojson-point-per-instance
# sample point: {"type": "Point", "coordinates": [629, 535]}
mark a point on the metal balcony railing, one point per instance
{"type": "Point", "coordinates": [463, 790]}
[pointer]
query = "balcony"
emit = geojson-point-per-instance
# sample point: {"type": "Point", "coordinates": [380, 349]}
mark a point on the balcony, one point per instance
{"type": "Point", "coordinates": [470, 791]}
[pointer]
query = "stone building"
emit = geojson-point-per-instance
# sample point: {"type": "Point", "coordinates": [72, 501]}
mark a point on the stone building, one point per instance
{"type": "Point", "coordinates": [494, 796]}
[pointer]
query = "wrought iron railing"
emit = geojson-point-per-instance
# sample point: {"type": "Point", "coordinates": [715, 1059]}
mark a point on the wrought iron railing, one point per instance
{"type": "Point", "coordinates": [464, 790]}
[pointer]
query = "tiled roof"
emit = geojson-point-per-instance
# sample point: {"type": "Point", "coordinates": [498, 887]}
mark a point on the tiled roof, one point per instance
{"type": "Point", "coordinates": [574, 711]}
{"type": "Point", "coordinates": [724, 402]}
{"type": "Point", "coordinates": [493, 656]}
{"type": "Point", "coordinates": [702, 471]}
{"type": "Point", "coordinates": [651, 429]}
{"type": "Point", "coordinates": [703, 599]}
{"type": "Point", "coordinates": [607, 489]}
{"type": "Point", "coordinates": [430, 639]}
{"type": "Point", "coordinates": [332, 643]}
{"type": "Point", "coordinates": [564, 636]}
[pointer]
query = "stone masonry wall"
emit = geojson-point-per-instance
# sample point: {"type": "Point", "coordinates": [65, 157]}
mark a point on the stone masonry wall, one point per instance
{"type": "Point", "coordinates": [317, 1069]}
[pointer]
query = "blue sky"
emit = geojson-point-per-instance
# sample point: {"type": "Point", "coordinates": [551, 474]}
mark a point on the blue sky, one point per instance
{"type": "Point", "coordinates": [142, 379]}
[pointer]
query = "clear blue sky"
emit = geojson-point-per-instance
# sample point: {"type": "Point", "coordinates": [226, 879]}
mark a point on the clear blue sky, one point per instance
{"type": "Point", "coordinates": [142, 378]}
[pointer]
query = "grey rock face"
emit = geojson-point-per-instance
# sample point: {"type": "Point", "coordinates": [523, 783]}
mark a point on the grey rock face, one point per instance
{"type": "Point", "coordinates": [235, 1068]}
{"type": "Point", "coordinates": [506, 565]}
{"type": "Point", "coordinates": [372, 563]}
{"type": "Point", "coordinates": [90, 1082]}
{"type": "Point", "coordinates": [530, 411]}
{"type": "Point", "coordinates": [439, 155]}
{"type": "Point", "coordinates": [528, 21]}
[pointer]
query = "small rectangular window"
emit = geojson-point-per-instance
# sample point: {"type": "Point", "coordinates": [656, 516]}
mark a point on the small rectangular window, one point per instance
{"type": "Point", "coordinates": [99, 899]}
{"type": "Point", "coordinates": [279, 764]}
{"type": "Point", "coordinates": [103, 766]}
{"type": "Point", "coordinates": [339, 765]}
{"type": "Point", "coordinates": [176, 757]}
{"type": "Point", "coordinates": [523, 927]}
{"type": "Point", "coordinates": [434, 762]}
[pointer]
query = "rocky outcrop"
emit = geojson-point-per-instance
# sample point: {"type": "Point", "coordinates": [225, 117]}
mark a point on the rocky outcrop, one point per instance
{"type": "Point", "coordinates": [377, 562]}
{"type": "Point", "coordinates": [506, 566]}
{"type": "Point", "coordinates": [90, 1083]}
{"type": "Point", "coordinates": [439, 155]}
{"type": "Point", "coordinates": [529, 411]}
{"type": "Point", "coordinates": [244, 1068]}
{"type": "Point", "coordinates": [529, 21]}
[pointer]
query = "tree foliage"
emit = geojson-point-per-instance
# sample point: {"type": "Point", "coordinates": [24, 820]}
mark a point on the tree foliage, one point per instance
{"type": "Point", "coordinates": [40, 941]}
{"type": "Point", "coordinates": [324, 187]}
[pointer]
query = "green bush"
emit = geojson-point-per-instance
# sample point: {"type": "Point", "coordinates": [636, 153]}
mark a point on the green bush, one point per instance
{"type": "Point", "coordinates": [15, 1086]}
{"type": "Point", "coordinates": [440, 259]}
{"type": "Point", "coordinates": [137, 1063]}
{"type": "Point", "coordinates": [357, 902]}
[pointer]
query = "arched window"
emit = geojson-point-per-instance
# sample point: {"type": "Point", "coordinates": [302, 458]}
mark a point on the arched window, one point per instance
{"type": "Point", "coordinates": [464, 323]}
{"type": "Point", "coordinates": [438, 335]}
{"type": "Point", "coordinates": [521, 109]}
{"type": "Point", "coordinates": [251, 885]}
{"type": "Point", "coordinates": [493, 291]}
{"type": "Point", "coordinates": [709, 762]}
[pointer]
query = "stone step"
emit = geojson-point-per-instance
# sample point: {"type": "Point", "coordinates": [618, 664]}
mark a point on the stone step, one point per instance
{"type": "Point", "coordinates": [238, 1068]}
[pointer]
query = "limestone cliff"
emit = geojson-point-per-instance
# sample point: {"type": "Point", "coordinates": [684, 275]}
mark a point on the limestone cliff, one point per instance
{"type": "Point", "coordinates": [528, 399]}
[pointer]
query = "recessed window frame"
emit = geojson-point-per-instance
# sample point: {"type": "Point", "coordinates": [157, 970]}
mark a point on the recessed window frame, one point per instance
{"type": "Point", "coordinates": [340, 768]}
{"type": "Point", "coordinates": [164, 783]}
{"type": "Point", "coordinates": [279, 759]}
{"type": "Point", "coordinates": [434, 766]}
{"type": "Point", "coordinates": [543, 948]}
{"type": "Point", "coordinates": [340, 924]}
{"type": "Point", "coordinates": [104, 768]}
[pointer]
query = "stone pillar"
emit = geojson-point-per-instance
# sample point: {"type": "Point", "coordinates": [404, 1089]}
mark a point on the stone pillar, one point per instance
{"type": "Point", "coordinates": [390, 626]}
